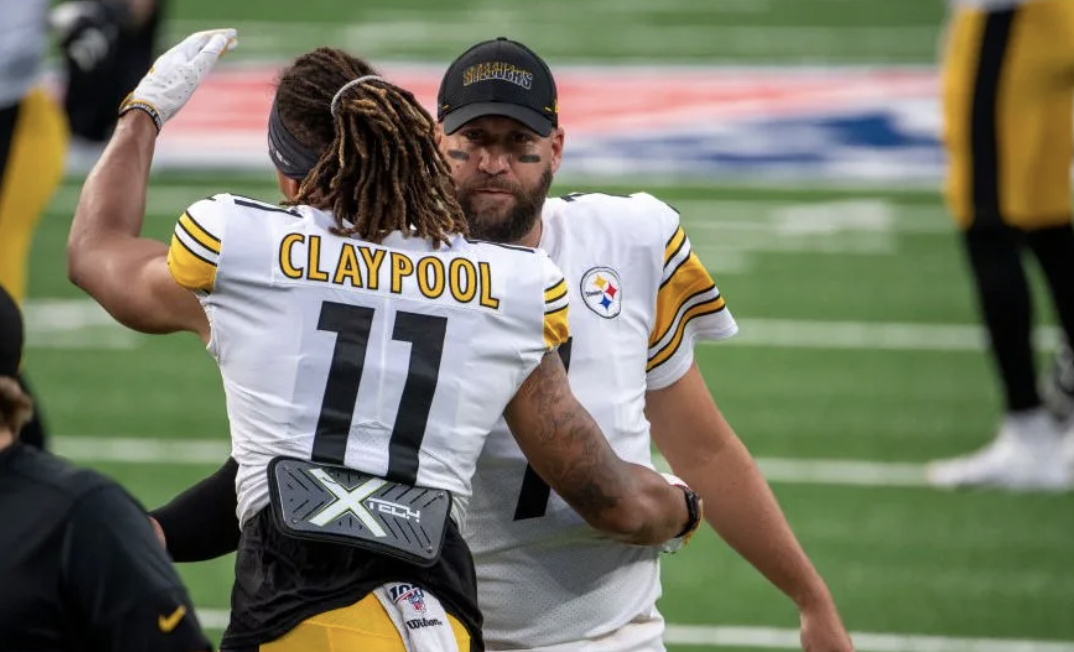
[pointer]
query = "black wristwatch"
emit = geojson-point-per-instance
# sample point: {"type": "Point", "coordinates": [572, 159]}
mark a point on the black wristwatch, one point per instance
{"type": "Point", "coordinates": [693, 511]}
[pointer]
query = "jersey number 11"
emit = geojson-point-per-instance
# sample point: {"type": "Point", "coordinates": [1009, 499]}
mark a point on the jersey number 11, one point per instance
{"type": "Point", "coordinates": [352, 324]}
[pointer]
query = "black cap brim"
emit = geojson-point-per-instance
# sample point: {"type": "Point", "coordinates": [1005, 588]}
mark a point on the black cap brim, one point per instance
{"type": "Point", "coordinates": [456, 119]}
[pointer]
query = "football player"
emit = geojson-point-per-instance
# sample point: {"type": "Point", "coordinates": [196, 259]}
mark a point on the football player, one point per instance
{"type": "Point", "coordinates": [33, 138]}
{"type": "Point", "coordinates": [642, 299]}
{"type": "Point", "coordinates": [1008, 94]}
{"type": "Point", "coordinates": [366, 346]}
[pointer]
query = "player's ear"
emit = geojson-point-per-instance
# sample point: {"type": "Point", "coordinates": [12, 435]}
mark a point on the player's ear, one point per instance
{"type": "Point", "coordinates": [441, 139]}
{"type": "Point", "coordinates": [557, 138]}
{"type": "Point", "coordinates": [288, 186]}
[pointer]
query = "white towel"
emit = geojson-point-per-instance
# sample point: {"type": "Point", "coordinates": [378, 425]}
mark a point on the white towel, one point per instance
{"type": "Point", "coordinates": [419, 617]}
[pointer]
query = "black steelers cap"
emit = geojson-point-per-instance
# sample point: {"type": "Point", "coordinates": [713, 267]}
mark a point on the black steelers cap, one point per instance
{"type": "Point", "coordinates": [10, 335]}
{"type": "Point", "coordinates": [498, 77]}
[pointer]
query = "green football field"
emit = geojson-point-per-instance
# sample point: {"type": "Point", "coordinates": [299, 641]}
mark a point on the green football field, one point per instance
{"type": "Point", "coordinates": [859, 357]}
{"type": "Point", "coordinates": [642, 31]}
{"type": "Point", "coordinates": [857, 362]}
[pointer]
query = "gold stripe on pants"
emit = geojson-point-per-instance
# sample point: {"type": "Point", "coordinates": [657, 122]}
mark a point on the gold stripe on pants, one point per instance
{"type": "Point", "coordinates": [31, 172]}
{"type": "Point", "coordinates": [1008, 102]}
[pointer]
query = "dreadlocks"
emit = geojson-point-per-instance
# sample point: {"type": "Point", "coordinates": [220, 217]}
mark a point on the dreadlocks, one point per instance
{"type": "Point", "coordinates": [379, 169]}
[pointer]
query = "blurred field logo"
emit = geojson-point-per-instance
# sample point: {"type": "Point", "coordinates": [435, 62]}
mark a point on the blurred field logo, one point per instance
{"type": "Point", "coordinates": [808, 123]}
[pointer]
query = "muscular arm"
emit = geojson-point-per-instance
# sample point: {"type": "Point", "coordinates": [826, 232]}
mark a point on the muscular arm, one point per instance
{"type": "Point", "coordinates": [567, 449]}
{"type": "Point", "coordinates": [106, 257]}
{"type": "Point", "coordinates": [704, 451]}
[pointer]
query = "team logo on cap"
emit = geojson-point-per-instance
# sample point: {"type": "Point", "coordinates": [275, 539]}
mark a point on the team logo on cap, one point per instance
{"type": "Point", "coordinates": [498, 70]}
{"type": "Point", "coordinates": [602, 291]}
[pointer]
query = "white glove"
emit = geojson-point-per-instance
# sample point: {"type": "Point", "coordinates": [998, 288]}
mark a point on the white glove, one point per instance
{"type": "Point", "coordinates": [676, 544]}
{"type": "Point", "coordinates": [177, 73]}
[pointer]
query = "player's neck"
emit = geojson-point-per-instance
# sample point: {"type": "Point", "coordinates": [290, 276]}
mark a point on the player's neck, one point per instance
{"type": "Point", "coordinates": [7, 438]}
{"type": "Point", "coordinates": [533, 238]}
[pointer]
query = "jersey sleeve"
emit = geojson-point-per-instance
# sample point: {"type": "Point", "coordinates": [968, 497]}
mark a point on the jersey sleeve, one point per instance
{"type": "Point", "coordinates": [689, 306]}
{"type": "Point", "coordinates": [196, 243]}
{"type": "Point", "coordinates": [556, 304]}
{"type": "Point", "coordinates": [121, 584]}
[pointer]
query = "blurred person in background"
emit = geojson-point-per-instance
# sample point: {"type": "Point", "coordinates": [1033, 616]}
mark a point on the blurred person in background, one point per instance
{"type": "Point", "coordinates": [546, 581]}
{"type": "Point", "coordinates": [107, 46]}
{"type": "Point", "coordinates": [80, 566]}
{"type": "Point", "coordinates": [1008, 98]}
{"type": "Point", "coordinates": [33, 139]}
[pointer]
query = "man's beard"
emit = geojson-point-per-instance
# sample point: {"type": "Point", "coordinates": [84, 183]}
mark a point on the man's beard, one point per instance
{"type": "Point", "coordinates": [518, 221]}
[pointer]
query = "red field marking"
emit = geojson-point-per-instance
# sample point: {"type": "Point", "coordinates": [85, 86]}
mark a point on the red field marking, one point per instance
{"type": "Point", "coordinates": [231, 108]}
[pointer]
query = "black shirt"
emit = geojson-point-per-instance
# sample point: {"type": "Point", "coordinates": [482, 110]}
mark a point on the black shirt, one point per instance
{"type": "Point", "coordinates": [80, 566]}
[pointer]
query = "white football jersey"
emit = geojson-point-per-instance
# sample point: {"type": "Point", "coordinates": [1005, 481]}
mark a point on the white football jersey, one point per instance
{"type": "Point", "coordinates": [640, 298]}
{"type": "Point", "coordinates": [395, 359]}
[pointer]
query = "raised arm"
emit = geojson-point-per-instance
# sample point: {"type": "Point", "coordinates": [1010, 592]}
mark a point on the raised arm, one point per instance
{"type": "Point", "coordinates": [566, 448]}
{"type": "Point", "coordinates": [106, 255]}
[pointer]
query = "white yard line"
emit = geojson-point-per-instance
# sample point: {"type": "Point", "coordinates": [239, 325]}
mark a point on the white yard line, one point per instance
{"type": "Point", "coordinates": [164, 200]}
{"type": "Point", "coordinates": [787, 639]}
{"type": "Point", "coordinates": [871, 336]}
{"type": "Point", "coordinates": [167, 200]}
{"type": "Point", "coordinates": [842, 472]}
{"type": "Point", "coordinates": [858, 473]}
{"type": "Point", "coordinates": [149, 450]}
{"type": "Point", "coordinates": [774, 638]}
{"type": "Point", "coordinates": [74, 324]}
{"type": "Point", "coordinates": [144, 450]}
{"type": "Point", "coordinates": [566, 179]}
{"type": "Point", "coordinates": [81, 323]}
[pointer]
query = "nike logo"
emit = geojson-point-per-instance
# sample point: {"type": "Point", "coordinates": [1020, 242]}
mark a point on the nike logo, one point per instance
{"type": "Point", "coordinates": [169, 623]}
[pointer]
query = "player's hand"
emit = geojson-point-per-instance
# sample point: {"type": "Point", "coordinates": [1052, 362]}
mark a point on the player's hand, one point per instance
{"type": "Point", "coordinates": [88, 30]}
{"type": "Point", "coordinates": [678, 542]}
{"type": "Point", "coordinates": [823, 630]}
{"type": "Point", "coordinates": [177, 73]}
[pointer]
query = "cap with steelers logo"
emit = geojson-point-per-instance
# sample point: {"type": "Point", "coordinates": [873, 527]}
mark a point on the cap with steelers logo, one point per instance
{"type": "Point", "coordinates": [498, 77]}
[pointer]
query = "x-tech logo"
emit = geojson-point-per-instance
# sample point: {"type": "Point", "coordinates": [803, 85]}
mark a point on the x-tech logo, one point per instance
{"type": "Point", "coordinates": [348, 501]}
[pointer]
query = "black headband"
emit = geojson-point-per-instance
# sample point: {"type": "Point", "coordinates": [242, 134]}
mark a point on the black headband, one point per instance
{"type": "Point", "coordinates": [292, 158]}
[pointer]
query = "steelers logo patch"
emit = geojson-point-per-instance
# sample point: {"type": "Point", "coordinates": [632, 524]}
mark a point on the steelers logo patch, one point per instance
{"type": "Point", "coordinates": [602, 291]}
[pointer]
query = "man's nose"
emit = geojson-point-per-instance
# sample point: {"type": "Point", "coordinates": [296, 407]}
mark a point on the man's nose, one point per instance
{"type": "Point", "coordinates": [493, 162]}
